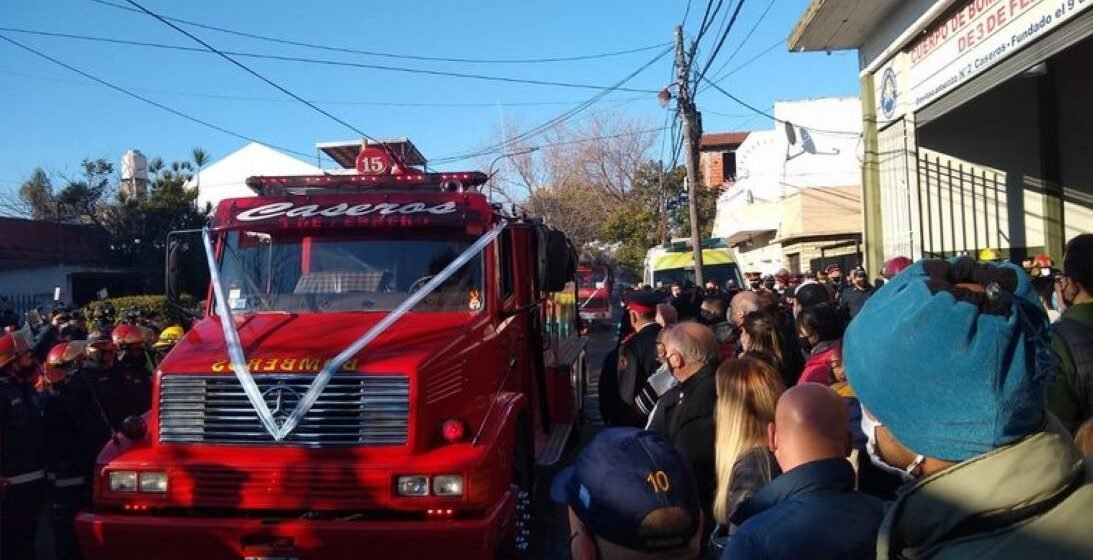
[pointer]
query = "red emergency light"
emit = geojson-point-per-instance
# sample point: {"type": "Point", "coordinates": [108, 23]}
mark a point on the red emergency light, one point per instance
{"type": "Point", "coordinates": [326, 184]}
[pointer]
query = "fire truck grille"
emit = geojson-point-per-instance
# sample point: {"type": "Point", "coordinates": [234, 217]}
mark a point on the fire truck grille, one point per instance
{"type": "Point", "coordinates": [352, 410]}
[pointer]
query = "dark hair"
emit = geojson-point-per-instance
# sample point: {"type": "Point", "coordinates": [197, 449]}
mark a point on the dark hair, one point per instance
{"type": "Point", "coordinates": [1078, 260]}
{"type": "Point", "coordinates": [762, 329]}
{"type": "Point", "coordinates": [717, 304]}
{"type": "Point", "coordinates": [822, 320]}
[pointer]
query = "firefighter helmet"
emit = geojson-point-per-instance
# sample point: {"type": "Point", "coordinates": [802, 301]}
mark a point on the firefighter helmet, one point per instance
{"type": "Point", "coordinates": [62, 359]}
{"type": "Point", "coordinates": [126, 335]}
{"type": "Point", "coordinates": [988, 255]}
{"type": "Point", "coordinates": [12, 345]}
{"type": "Point", "coordinates": [169, 337]}
{"type": "Point", "coordinates": [895, 265]}
{"type": "Point", "coordinates": [1043, 260]}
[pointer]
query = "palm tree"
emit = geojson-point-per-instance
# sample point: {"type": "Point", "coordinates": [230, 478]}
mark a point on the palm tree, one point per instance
{"type": "Point", "coordinates": [201, 157]}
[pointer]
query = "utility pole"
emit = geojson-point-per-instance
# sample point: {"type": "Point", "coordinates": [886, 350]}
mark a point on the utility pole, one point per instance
{"type": "Point", "coordinates": [692, 132]}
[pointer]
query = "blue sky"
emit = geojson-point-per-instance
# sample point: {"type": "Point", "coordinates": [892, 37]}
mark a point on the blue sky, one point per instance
{"type": "Point", "coordinates": [53, 118]}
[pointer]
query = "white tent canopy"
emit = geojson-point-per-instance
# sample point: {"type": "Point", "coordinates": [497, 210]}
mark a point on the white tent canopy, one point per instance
{"type": "Point", "coordinates": [226, 178]}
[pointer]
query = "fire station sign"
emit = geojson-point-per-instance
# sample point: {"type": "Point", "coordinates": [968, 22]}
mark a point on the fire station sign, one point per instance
{"type": "Point", "coordinates": [970, 40]}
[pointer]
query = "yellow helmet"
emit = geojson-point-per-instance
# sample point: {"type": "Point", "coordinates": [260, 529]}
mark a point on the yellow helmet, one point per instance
{"type": "Point", "coordinates": [988, 254]}
{"type": "Point", "coordinates": [169, 337]}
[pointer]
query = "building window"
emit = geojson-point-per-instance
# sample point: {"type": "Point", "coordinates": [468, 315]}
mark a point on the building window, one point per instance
{"type": "Point", "coordinates": [728, 166]}
{"type": "Point", "coordinates": [793, 263]}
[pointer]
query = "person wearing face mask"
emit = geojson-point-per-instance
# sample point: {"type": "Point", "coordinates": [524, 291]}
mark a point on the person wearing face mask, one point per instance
{"type": "Point", "coordinates": [989, 471]}
{"type": "Point", "coordinates": [1071, 397]}
{"type": "Point", "coordinates": [22, 457]}
{"type": "Point", "coordinates": [685, 413]}
{"type": "Point", "coordinates": [637, 360]}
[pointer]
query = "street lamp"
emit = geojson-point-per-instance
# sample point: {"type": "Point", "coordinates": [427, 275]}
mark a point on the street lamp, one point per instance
{"type": "Point", "coordinates": [503, 156]}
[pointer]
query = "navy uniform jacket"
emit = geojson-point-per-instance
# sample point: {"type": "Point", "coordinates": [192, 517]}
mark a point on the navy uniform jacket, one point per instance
{"type": "Point", "coordinates": [637, 361]}
{"type": "Point", "coordinates": [20, 429]}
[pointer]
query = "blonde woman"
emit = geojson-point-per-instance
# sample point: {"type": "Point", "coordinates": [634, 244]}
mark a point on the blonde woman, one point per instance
{"type": "Point", "coordinates": [747, 393]}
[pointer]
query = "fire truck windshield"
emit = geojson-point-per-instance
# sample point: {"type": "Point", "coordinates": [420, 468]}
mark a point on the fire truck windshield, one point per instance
{"type": "Point", "coordinates": [312, 272]}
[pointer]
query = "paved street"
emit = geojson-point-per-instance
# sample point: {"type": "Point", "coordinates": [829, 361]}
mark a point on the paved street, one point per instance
{"type": "Point", "coordinates": [550, 528]}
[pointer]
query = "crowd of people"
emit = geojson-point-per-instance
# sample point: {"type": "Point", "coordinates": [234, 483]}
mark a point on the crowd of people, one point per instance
{"type": "Point", "coordinates": [67, 387]}
{"type": "Point", "coordinates": [946, 414]}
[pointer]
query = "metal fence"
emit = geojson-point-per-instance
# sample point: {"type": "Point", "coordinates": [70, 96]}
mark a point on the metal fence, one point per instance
{"type": "Point", "coordinates": [21, 303]}
{"type": "Point", "coordinates": [961, 206]}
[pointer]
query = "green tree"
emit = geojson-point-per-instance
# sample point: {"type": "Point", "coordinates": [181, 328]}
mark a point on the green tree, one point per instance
{"type": "Point", "coordinates": [136, 226]}
{"type": "Point", "coordinates": [654, 212]}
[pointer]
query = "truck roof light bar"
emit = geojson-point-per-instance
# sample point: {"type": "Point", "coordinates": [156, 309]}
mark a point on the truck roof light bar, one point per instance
{"type": "Point", "coordinates": [326, 184]}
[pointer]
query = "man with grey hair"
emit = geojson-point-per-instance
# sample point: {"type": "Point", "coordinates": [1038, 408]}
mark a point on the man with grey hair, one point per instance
{"type": "Point", "coordinates": [685, 413]}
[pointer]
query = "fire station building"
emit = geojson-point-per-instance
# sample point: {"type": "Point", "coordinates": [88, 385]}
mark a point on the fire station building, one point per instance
{"type": "Point", "coordinates": [977, 121]}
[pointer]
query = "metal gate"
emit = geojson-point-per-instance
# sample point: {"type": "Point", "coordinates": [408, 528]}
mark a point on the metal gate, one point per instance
{"type": "Point", "coordinates": [960, 206]}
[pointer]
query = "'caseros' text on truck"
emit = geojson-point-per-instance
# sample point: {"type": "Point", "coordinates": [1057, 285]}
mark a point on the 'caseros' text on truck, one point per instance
{"type": "Point", "coordinates": [383, 360]}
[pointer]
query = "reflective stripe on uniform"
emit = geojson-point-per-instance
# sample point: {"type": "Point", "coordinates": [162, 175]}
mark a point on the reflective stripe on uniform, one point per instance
{"type": "Point", "coordinates": [26, 477]}
{"type": "Point", "coordinates": [69, 482]}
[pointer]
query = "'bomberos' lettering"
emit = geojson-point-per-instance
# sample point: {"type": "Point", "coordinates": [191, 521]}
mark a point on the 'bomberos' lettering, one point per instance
{"type": "Point", "coordinates": [291, 210]}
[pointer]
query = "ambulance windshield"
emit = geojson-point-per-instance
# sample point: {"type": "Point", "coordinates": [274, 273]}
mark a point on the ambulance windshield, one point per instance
{"type": "Point", "coordinates": [302, 272]}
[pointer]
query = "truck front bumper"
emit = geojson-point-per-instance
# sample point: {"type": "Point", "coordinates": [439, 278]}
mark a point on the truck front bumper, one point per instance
{"type": "Point", "coordinates": [111, 536]}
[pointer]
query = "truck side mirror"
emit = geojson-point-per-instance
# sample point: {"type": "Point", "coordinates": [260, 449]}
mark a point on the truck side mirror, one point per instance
{"type": "Point", "coordinates": [186, 271]}
{"type": "Point", "coordinates": [557, 268]}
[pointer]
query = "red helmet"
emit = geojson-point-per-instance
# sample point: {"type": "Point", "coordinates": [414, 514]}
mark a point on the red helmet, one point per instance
{"type": "Point", "coordinates": [1043, 260]}
{"type": "Point", "coordinates": [127, 335]}
{"type": "Point", "coordinates": [831, 269]}
{"type": "Point", "coordinates": [12, 345]}
{"type": "Point", "coordinates": [62, 358]}
{"type": "Point", "coordinates": [894, 266]}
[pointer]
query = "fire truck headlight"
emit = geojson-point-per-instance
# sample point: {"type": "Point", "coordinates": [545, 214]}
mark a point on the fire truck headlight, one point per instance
{"type": "Point", "coordinates": [448, 485]}
{"type": "Point", "coordinates": [123, 481]}
{"type": "Point", "coordinates": [415, 485]}
{"type": "Point", "coordinates": [153, 481]}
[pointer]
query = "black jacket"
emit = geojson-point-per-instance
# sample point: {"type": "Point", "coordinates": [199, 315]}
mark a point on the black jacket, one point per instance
{"type": "Point", "coordinates": [685, 415]}
{"type": "Point", "coordinates": [637, 361]}
{"type": "Point", "coordinates": [20, 429]}
{"type": "Point", "coordinates": [853, 300]}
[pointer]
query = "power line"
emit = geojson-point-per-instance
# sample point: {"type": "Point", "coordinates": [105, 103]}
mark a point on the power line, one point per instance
{"type": "Point", "coordinates": [323, 62]}
{"type": "Point", "coordinates": [388, 54]}
{"type": "Point", "coordinates": [322, 101]}
{"type": "Point", "coordinates": [777, 120]}
{"type": "Point", "coordinates": [743, 42]}
{"type": "Point", "coordinates": [149, 101]}
{"type": "Point", "coordinates": [255, 73]}
{"type": "Point", "coordinates": [558, 119]}
{"type": "Point", "coordinates": [721, 41]}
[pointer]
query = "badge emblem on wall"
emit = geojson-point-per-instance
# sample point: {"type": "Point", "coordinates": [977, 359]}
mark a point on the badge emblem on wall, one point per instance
{"type": "Point", "coordinates": [475, 302]}
{"type": "Point", "coordinates": [889, 95]}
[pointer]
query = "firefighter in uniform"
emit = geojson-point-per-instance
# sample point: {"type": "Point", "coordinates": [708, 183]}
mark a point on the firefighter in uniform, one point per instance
{"type": "Point", "coordinates": [637, 360]}
{"type": "Point", "coordinates": [22, 458]}
{"type": "Point", "coordinates": [135, 362]}
{"type": "Point", "coordinates": [166, 341]}
{"type": "Point", "coordinates": [69, 479]}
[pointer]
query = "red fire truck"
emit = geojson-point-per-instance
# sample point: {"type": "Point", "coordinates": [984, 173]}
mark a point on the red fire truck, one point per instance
{"type": "Point", "coordinates": [384, 359]}
{"type": "Point", "coordinates": [594, 285]}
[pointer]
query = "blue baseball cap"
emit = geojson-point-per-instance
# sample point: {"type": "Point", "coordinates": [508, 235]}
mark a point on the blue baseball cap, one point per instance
{"type": "Point", "coordinates": [622, 476]}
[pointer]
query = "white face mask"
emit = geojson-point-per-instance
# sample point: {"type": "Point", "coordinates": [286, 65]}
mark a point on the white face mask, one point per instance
{"type": "Point", "coordinates": [869, 428]}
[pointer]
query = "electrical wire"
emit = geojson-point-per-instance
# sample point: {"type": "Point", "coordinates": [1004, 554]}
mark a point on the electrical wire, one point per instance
{"type": "Point", "coordinates": [322, 101]}
{"type": "Point", "coordinates": [149, 101]}
{"type": "Point", "coordinates": [744, 41]}
{"type": "Point", "coordinates": [254, 73]}
{"type": "Point", "coordinates": [556, 120]}
{"type": "Point", "coordinates": [720, 42]}
{"type": "Point", "coordinates": [387, 54]}
{"type": "Point", "coordinates": [763, 113]}
{"type": "Point", "coordinates": [323, 62]}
